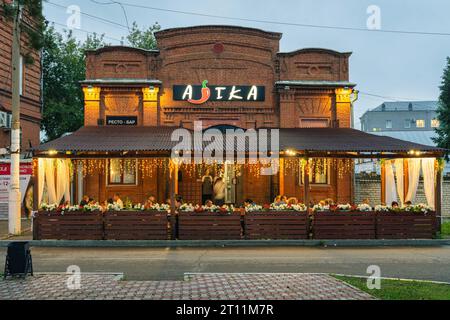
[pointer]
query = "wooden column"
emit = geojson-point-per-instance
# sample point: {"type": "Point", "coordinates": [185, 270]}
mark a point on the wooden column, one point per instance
{"type": "Point", "coordinates": [383, 183]}
{"type": "Point", "coordinates": [281, 175]}
{"type": "Point", "coordinates": [438, 198]}
{"type": "Point", "coordinates": [306, 183]}
{"type": "Point", "coordinates": [172, 186]}
{"type": "Point", "coordinates": [176, 169]}
{"type": "Point", "coordinates": [405, 178]}
{"type": "Point", "coordinates": [36, 180]}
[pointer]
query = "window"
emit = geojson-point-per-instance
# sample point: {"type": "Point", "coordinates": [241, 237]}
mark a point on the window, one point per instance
{"type": "Point", "coordinates": [388, 124]}
{"type": "Point", "coordinates": [420, 123]}
{"type": "Point", "coordinates": [435, 123]}
{"type": "Point", "coordinates": [122, 171]}
{"type": "Point", "coordinates": [318, 172]}
{"type": "Point", "coordinates": [407, 123]}
{"type": "Point", "coordinates": [21, 70]}
{"type": "Point", "coordinates": [314, 123]}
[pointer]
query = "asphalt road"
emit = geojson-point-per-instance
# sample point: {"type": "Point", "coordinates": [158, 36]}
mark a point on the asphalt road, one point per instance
{"type": "Point", "coordinates": [431, 263]}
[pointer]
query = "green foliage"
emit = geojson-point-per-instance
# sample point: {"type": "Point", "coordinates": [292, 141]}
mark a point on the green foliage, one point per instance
{"type": "Point", "coordinates": [445, 229]}
{"type": "Point", "coordinates": [63, 67]}
{"type": "Point", "coordinates": [443, 111]}
{"type": "Point", "coordinates": [34, 33]}
{"type": "Point", "coordinates": [401, 290]}
{"type": "Point", "coordinates": [144, 39]}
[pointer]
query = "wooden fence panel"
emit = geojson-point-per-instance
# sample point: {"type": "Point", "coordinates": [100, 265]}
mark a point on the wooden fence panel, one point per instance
{"type": "Point", "coordinates": [69, 226]}
{"type": "Point", "coordinates": [344, 225]}
{"type": "Point", "coordinates": [406, 225]}
{"type": "Point", "coordinates": [136, 225]}
{"type": "Point", "coordinates": [209, 226]}
{"type": "Point", "coordinates": [276, 225]}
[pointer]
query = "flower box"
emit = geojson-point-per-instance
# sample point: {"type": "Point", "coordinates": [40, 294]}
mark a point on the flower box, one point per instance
{"type": "Point", "coordinates": [208, 226]}
{"type": "Point", "coordinates": [406, 225]}
{"type": "Point", "coordinates": [136, 225]}
{"type": "Point", "coordinates": [343, 225]}
{"type": "Point", "coordinates": [68, 225]}
{"type": "Point", "coordinates": [276, 225]}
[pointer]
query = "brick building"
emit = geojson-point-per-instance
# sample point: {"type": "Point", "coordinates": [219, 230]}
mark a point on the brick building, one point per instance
{"type": "Point", "coordinates": [135, 99]}
{"type": "Point", "coordinates": [30, 88]}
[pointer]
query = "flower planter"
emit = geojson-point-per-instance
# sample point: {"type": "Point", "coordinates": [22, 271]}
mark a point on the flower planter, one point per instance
{"type": "Point", "coordinates": [75, 225]}
{"type": "Point", "coordinates": [208, 226]}
{"type": "Point", "coordinates": [402, 225]}
{"type": "Point", "coordinates": [276, 225]}
{"type": "Point", "coordinates": [136, 225]}
{"type": "Point", "coordinates": [344, 225]}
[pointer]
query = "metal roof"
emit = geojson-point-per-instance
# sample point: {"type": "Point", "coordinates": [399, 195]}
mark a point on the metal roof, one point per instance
{"type": "Point", "coordinates": [423, 136]}
{"type": "Point", "coordinates": [406, 105]}
{"type": "Point", "coordinates": [141, 138]}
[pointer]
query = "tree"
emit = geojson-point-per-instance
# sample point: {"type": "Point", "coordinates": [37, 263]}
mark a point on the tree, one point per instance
{"type": "Point", "coordinates": [33, 32]}
{"type": "Point", "coordinates": [63, 67]}
{"type": "Point", "coordinates": [144, 39]}
{"type": "Point", "coordinates": [443, 111]}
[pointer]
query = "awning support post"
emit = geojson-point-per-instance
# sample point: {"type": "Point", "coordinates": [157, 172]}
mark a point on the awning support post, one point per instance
{"type": "Point", "coordinates": [36, 185]}
{"type": "Point", "coordinates": [438, 197]}
{"type": "Point", "coordinates": [281, 175]}
{"type": "Point", "coordinates": [306, 182]}
{"type": "Point", "coordinates": [172, 186]}
{"type": "Point", "coordinates": [383, 182]}
{"type": "Point", "coordinates": [405, 178]}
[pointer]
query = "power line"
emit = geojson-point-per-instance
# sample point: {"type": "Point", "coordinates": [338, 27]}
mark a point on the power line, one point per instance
{"type": "Point", "coordinates": [276, 22]}
{"type": "Point", "coordinates": [92, 16]}
{"type": "Point", "coordinates": [121, 6]}
{"type": "Point", "coordinates": [387, 97]}
{"type": "Point", "coordinates": [85, 31]}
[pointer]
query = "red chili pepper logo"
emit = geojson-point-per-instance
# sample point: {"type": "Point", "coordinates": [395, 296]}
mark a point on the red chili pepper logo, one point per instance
{"type": "Point", "coordinates": [206, 93]}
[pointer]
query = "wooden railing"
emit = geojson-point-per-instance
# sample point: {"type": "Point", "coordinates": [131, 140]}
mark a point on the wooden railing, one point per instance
{"type": "Point", "coordinates": [157, 225]}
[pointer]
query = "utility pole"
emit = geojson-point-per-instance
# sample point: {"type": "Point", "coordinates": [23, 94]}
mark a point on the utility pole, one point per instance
{"type": "Point", "coordinates": [14, 206]}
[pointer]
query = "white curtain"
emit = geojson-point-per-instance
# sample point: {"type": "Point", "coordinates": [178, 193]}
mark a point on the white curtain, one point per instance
{"type": "Point", "coordinates": [429, 172]}
{"type": "Point", "coordinates": [414, 173]}
{"type": "Point", "coordinates": [60, 179]}
{"type": "Point", "coordinates": [41, 179]}
{"type": "Point", "coordinates": [50, 180]}
{"type": "Point", "coordinates": [399, 176]}
{"type": "Point", "coordinates": [390, 190]}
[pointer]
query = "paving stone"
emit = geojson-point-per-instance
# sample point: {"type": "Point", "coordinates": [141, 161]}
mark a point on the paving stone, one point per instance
{"type": "Point", "coordinates": [289, 286]}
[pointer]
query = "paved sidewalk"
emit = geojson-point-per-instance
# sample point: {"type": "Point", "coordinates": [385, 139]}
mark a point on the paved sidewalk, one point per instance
{"type": "Point", "coordinates": [214, 286]}
{"type": "Point", "coordinates": [26, 227]}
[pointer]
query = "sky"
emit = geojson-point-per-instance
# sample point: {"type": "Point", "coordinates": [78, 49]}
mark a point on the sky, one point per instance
{"type": "Point", "coordinates": [386, 66]}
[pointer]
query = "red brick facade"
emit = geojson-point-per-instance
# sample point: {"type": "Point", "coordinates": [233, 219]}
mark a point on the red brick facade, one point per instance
{"type": "Point", "coordinates": [302, 88]}
{"type": "Point", "coordinates": [30, 102]}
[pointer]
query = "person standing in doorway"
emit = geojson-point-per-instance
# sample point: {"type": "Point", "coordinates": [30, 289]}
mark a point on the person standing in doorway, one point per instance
{"type": "Point", "coordinates": [207, 187]}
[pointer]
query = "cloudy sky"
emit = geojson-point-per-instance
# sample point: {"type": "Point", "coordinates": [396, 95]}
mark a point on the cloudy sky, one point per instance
{"type": "Point", "coordinates": [387, 66]}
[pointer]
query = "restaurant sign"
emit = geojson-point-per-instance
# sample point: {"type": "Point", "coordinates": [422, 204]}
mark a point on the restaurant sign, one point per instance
{"type": "Point", "coordinates": [199, 94]}
{"type": "Point", "coordinates": [121, 120]}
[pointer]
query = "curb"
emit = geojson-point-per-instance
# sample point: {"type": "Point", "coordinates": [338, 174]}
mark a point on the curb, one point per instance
{"type": "Point", "coordinates": [390, 278]}
{"type": "Point", "coordinates": [232, 243]}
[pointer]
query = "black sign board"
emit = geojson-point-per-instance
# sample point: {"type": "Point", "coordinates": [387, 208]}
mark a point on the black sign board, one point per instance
{"type": "Point", "coordinates": [219, 93]}
{"type": "Point", "coordinates": [121, 120]}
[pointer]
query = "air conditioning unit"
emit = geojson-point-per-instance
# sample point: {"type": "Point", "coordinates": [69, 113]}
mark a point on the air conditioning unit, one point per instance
{"type": "Point", "coordinates": [5, 120]}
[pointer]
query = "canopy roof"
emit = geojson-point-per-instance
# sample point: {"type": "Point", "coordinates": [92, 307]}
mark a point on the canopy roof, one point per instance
{"type": "Point", "coordinates": [325, 141]}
